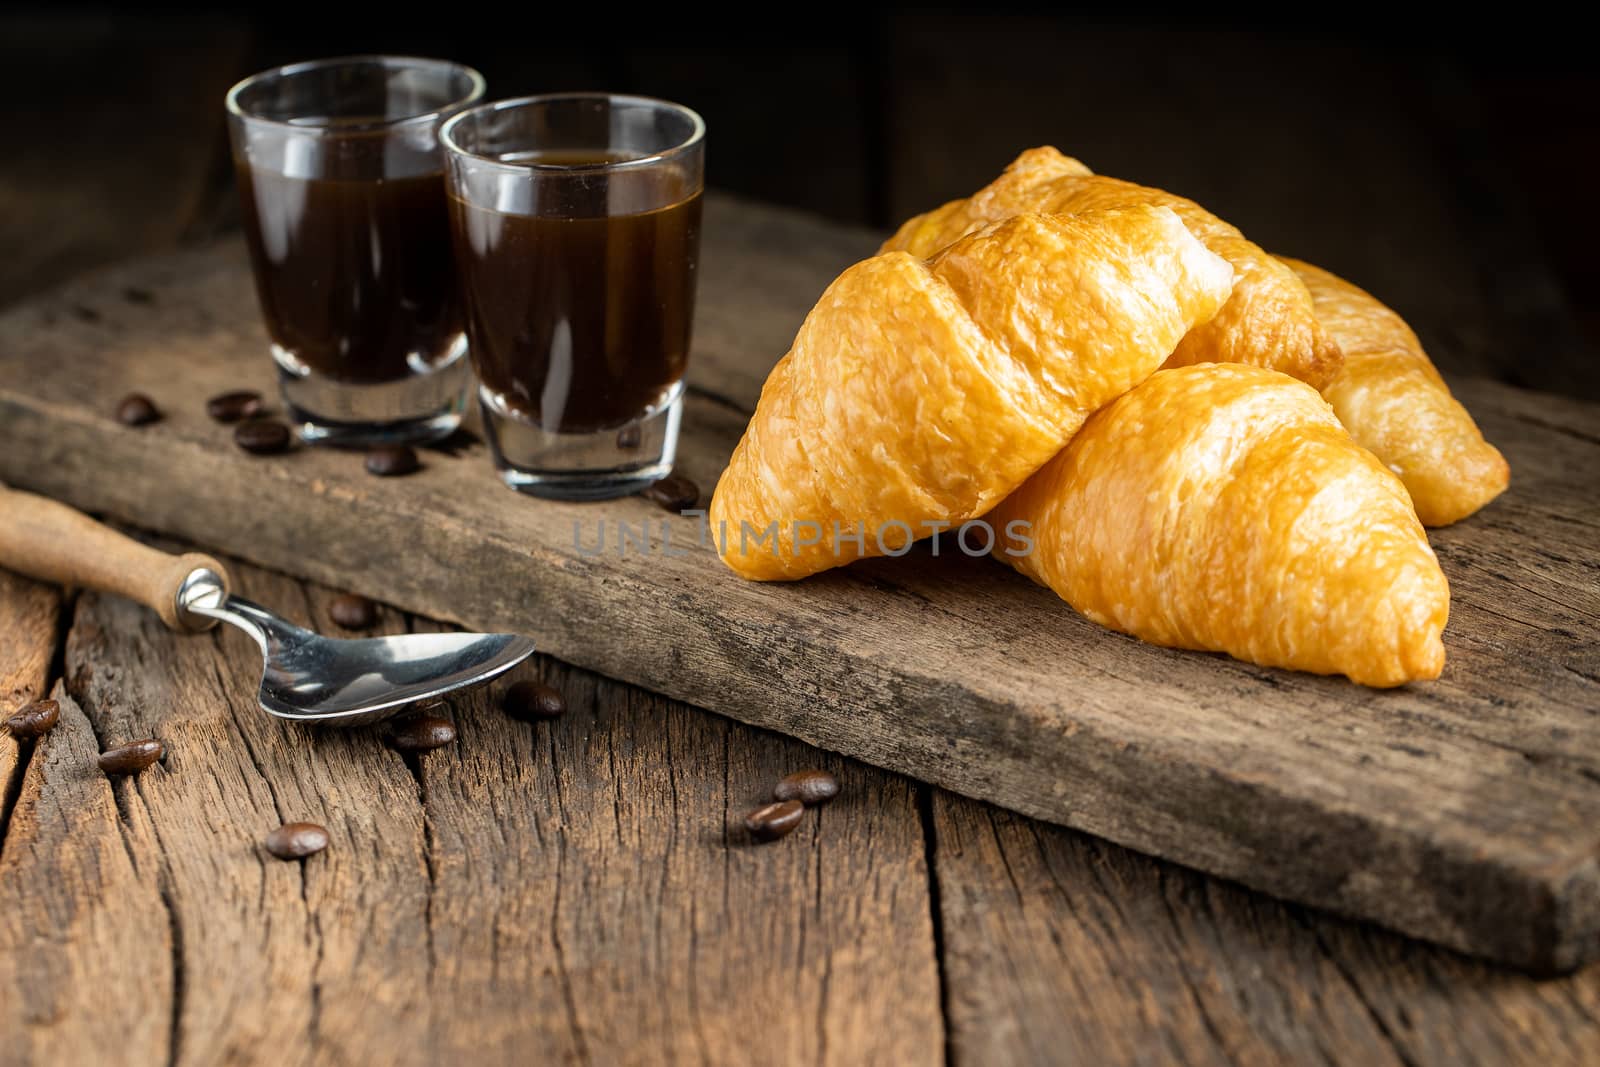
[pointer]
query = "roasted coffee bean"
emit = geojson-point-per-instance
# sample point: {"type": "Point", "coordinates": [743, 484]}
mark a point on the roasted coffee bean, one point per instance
{"type": "Point", "coordinates": [673, 493]}
{"type": "Point", "coordinates": [533, 700]}
{"type": "Point", "coordinates": [35, 720]}
{"type": "Point", "coordinates": [138, 296]}
{"type": "Point", "coordinates": [628, 438]}
{"type": "Point", "coordinates": [132, 757]}
{"type": "Point", "coordinates": [420, 733]}
{"type": "Point", "coordinates": [296, 840]}
{"type": "Point", "coordinates": [391, 461]}
{"type": "Point", "coordinates": [263, 437]}
{"type": "Point", "coordinates": [810, 788]}
{"type": "Point", "coordinates": [137, 409]}
{"type": "Point", "coordinates": [353, 612]}
{"type": "Point", "coordinates": [775, 820]}
{"type": "Point", "coordinates": [231, 407]}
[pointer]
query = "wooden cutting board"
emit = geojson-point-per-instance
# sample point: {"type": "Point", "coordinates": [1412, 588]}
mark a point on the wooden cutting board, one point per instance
{"type": "Point", "coordinates": [1466, 811]}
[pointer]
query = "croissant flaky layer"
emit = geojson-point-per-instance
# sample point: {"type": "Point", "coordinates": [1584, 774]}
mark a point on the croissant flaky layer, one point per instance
{"type": "Point", "coordinates": [1225, 508]}
{"type": "Point", "coordinates": [922, 392]}
{"type": "Point", "coordinates": [1393, 401]}
{"type": "Point", "coordinates": [1268, 321]}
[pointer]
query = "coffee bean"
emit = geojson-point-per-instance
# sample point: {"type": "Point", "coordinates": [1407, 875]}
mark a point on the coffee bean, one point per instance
{"type": "Point", "coordinates": [137, 409]}
{"type": "Point", "coordinates": [775, 820]}
{"type": "Point", "coordinates": [138, 296]}
{"type": "Point", "coordinates": [628, 438]}
{"type": "Point", "coordinates": [132, 757]}
{"type": "Point", "coordinates": [262, 437]}
{"type": "Point", "coordinates": [673, 493]}
{"type": "Point", "coordinates": [420, 733]}
{"type": "Point", "coordinates": [353, 612]}
{"type": "Point", "coordinates": [231, 407]}
{"type": "Point", "coordinates": [35, 719]}
{"type": "Point", "coordinates": [296, 840]}
{"type": "Point", "coordinates": [810, 788]}
{"type": "Point", "coordinates": [533, 700]}
{"type": "Point", "coordinates": [391, 461]}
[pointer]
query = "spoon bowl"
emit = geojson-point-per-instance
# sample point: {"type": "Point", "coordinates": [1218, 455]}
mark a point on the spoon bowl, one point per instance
{"type": "Point", "coordinates": [350, 682]}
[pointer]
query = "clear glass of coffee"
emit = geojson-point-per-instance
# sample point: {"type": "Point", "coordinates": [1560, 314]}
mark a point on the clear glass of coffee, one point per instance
{"type": "Point", "coordinates": [342, 188]}
{"type": "Point", "coordinates": [577, 226]}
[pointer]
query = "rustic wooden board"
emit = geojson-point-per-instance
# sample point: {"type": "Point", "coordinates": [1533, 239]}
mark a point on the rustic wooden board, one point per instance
{"type": "Point", "coordinates": [1058, 947]}
{"type": "Point", "coordinates": [1466, 811]}
{"type": "Point", "coordinates": [574, 891]}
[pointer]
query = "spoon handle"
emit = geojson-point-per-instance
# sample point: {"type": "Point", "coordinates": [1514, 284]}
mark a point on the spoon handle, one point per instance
{"type": "Point", "coordinates": [47, 540]}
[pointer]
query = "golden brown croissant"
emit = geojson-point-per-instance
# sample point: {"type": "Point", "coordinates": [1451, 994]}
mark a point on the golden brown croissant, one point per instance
{"type": "Point", "coordinates": [1268, 321]}
{"type": "Point", "coordinates": [1392, 400]}
{"type": "Point", "coordinates": [1224, 508]}
{"type": "Point", "coordinates": [921, 393]}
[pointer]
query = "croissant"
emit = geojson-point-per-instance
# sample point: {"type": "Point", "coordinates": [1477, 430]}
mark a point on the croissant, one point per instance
{"type": "Point", "coordinates": [1225, 508]}
{"type": "Point", "coordinates": [1268, 321]}
{"type": "Point", "coordinates": [1392, 400]}
{"type": "Point", "coordinates": [919, 393]}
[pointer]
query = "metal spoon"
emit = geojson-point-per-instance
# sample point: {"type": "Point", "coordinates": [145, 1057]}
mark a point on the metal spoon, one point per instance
{"type": "Point", "coordinates": [304, 676]}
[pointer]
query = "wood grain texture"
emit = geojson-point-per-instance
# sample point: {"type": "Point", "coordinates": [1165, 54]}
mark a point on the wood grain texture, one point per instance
{"type": "Point", "coordinates": [85, 948]}
{"type": "Point", "coordinates": [595, 897]}
{"type": "Point", "coordinates": [1058, 947]}
{"type": "Point", "coordinates": [1465, 811]}
{"type": "Point", "coordinates": [29, 623]}
{"type": "Point", "coordinates": [568, 892]}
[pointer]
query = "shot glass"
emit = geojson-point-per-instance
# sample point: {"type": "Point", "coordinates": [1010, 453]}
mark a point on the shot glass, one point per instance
{"type": "Point", "coordinates": [342, 186]}
{"type": "Point", "coordinates": [577, 227]}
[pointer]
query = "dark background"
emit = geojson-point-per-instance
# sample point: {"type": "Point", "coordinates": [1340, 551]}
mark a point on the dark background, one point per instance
{"type": "Point", "coordinates": [1450, 170]}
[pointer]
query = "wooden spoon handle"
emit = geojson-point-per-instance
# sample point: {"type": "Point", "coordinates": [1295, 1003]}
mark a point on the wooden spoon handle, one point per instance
{"type": "Point", "coordinates": [50, 541]}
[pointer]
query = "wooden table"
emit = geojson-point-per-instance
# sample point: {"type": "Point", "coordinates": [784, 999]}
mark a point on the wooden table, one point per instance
{"type": "Point", "coordinates": [575, 890]}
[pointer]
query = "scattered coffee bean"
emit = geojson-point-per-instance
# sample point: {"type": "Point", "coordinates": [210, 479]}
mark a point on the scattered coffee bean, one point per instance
{"type": "Point", "coordinates": [296, 840]}
{"type": "Point", "coordinates": [85, 314]}
{"type": "Point", "coordinates": [262, 437]}
{"type": "Point", "coordinates": [420, 733]}
{"type": "Point", "coordinates": [810, 788]}
{"type": "Point", "coordinates": [137, 409]}
{"type": "Point", "coordinates": [138, 296]}
{"type": "Point", "coordinates": [533, 700]}
{"type": "Point", "coordinates": [673, 493]}
{"type": "Point", "coordinates": [391, 461]}
{"type": "Point", "coordinates": [775, 820]}
{"type": "Point", "coordinates": [629, 437]}
{"type": "Point", "coordinates": [132, 757]}
{"type": "Point", "coordinates": [353, 612]}
{"type": "Point", "coordinates": [35, 719]}
{"type": "Point", "coordinates": [231, 407]}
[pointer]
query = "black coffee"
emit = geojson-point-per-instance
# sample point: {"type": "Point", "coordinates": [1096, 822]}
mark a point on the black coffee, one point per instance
{"type": "Point", "coordinates": [580, 323]}
{"type": "Point", "coordinates": [355, 276]}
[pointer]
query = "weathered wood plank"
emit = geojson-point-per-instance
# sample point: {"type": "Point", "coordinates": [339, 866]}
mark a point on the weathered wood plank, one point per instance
{"type": "Point", "coordinates": [1058, 947]}
{"type": "Point", "coordinates": [1466, 811]}
{"type": "Point", "coordinates": [595, 898]}
{"type": "Point", "coordinates": [576, 890]}
{"type": "Point", "coordinates": [261, 949]}
{"type": "Point", "coordinates": [85, 947]}
{"type": "Point", "coordinates": [29, 617]}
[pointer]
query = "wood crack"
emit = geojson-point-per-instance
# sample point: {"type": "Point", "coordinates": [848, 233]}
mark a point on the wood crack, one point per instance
{"type": "Point", "coordinates": [1191, 987]}
{"type": "Point", "coordinates": [930, 856]}
{"type": "Point", "coordinates": [569, 1002]}
{"type": "Point", "coordinates": [1349, 979]}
